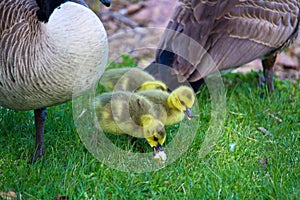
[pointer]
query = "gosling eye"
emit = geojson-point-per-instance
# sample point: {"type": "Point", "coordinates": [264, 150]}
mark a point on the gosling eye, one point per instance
{"type": "Point", "coordinates": [182, 102]}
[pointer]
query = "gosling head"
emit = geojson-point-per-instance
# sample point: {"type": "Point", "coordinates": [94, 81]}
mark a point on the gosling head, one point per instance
{"type": "Point", "coordinates": [153, 85]}
{"type": "Point", "coordinates": [154, 132]}
{"type": "Point", "coordinates": [182, 98]}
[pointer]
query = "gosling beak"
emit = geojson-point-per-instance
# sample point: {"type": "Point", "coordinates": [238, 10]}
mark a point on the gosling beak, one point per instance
{"type": "Point", "coordinates": [189, 113]}
{"type": "Point", "coordinates": [158, 148]}
{"type": "Point", "coordinates": [105, 2]}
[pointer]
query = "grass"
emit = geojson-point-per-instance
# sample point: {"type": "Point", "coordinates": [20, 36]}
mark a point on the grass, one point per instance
{"type": "Point", "coordinates": [244, 164]}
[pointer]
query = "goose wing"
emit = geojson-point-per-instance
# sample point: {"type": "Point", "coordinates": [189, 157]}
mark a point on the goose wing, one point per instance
{"type": "Point", "coordinates": [232, 32]}
{"type": "Point", "coordinates": [14, 14]}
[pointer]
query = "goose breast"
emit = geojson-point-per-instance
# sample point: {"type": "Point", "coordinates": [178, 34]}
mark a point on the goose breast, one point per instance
{"type": "Point", "coordinates": [45, 64]}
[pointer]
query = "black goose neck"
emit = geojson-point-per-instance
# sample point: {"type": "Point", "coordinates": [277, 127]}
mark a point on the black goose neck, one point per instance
{"type": "Point", "coordinates": [46, 8]}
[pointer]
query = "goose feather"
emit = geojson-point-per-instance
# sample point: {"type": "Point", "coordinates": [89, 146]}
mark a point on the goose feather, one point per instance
{"type": "Point", "coordinates": [50, 52]}
{"type": "Point", "coordinates": [232, 32]}
{"type": "Point", "coordinates": [45, 64]}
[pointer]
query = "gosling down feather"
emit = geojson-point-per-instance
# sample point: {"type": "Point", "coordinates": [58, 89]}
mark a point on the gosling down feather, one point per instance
{"type": "Point", "coordinates": [50, 52]}
{"type": "Point", "coordinates": [124, 112]}
{"type": "Point", "coordinates": [176, 104]}
{"type": "Point", "coordinates": [232, 32]}
{"type": "Point", "coordinates": [130, 79]}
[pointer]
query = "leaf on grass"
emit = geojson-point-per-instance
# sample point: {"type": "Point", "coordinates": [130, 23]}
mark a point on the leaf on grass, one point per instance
{"type": "Point", "coordinates": [264, 162]}
{"type": "Point", "coordinates": [8, 195]}
{"type": "Point", "coordinates": [265, 131]}
{"type": "Point", "coordinates": [276, 118]}
{"type": "Point", "coordinates": [232, 145]}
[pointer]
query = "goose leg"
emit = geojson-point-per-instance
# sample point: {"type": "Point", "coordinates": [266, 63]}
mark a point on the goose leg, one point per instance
{"type": "Point", "coordinates": [196, 85]}
{"type": "Point", "coordinates": [39, 118]}
{"type": "Point", "coordinates": [268, 64]}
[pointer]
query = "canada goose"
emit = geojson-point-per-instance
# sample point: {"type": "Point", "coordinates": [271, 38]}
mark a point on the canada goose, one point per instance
{"type": "Point", "coordinates": [51, 52]}
{"type": "Point", "coordinates": [131, 79]}
{"type": "Point", "coordinates": [176, 104]}
{"type": "Point", "coordinates": [124, 112]}
{"type": "Point", "coordinates": [233, 32]}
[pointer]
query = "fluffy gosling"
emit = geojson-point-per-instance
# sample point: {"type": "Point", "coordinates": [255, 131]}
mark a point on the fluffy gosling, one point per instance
{"type": "Point", "coordinates": [130, 79]}
{"type": "Point", "coordinates": [177, 104]}
{"type": "Point", "coordinates": [124, 112]}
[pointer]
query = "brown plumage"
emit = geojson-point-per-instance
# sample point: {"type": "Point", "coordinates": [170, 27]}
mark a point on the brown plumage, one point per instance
{"type": "Point", "coordinates": [233, 32]}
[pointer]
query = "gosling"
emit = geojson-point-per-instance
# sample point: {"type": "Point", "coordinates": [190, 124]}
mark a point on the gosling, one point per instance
{"type": "Point", "coordinates": [130, 79]}
{"type": "Point", "coordinates": [176, 104]}
{"type": "Point", "coordinates": [124, 112]}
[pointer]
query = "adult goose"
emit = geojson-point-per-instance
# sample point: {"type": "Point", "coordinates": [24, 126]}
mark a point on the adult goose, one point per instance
{"type": "Point", "coordinates": [50, 52]}
{"type": "Point", "coordinates": [232, 32]}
